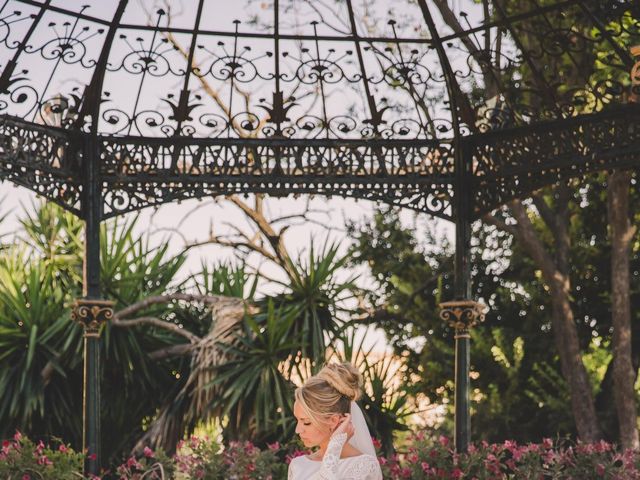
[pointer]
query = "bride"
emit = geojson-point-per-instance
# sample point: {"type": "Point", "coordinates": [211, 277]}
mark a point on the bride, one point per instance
{"type": "Point", "coordinates": [329, 419]}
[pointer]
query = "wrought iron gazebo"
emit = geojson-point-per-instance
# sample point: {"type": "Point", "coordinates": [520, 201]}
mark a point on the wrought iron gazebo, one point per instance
{"type": "Point", "coordinates": [110, 107]}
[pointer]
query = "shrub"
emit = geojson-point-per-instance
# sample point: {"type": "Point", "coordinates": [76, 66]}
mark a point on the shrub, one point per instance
{"type": "Point", "coordinates": [151, 465]}
{"type": "Point", "coordinates": [21, 458]}
{"type": "Point", "coordinates": [202, 459]}
{"type": "Point", "coordinates": [426, 459]}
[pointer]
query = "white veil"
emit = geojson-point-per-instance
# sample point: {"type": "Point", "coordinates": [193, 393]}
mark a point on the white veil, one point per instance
{"type": "Point", "coordinates": [361, 439]}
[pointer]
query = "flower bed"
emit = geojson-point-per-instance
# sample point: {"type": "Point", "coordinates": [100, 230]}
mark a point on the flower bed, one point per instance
{"type": "Point", "coordinates": [426, 459]}
{"type": "Point", "coordinates": [22, 459]}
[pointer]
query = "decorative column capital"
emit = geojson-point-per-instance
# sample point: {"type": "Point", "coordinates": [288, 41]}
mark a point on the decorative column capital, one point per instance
{"type": "Point", "coordinates": [635, 74]}
{"type": "Point", "coordinates": [462, 315]}
{"type": "Point", "coordinates": [91, 314]}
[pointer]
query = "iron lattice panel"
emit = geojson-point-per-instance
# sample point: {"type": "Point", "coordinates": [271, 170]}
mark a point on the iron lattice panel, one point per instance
{"type": "Point", "coordinates": [514, 164]}
{"type": "Point", "coordinates": [319, 101]}
{"type": "Point", "coordinates": [415, 176]}
{"type": "Point", "coordinates": [42, 160]}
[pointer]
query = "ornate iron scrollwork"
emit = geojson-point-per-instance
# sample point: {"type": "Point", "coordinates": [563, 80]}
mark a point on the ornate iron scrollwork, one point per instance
{"type": "Point", "coordinates": [92, 314]}
{"type": "Point", "coordinates": [462, 315]}
{"type": "Point", "coordinates": [527, 108]}
{"type": "Point", "coordinates": [635, 74]}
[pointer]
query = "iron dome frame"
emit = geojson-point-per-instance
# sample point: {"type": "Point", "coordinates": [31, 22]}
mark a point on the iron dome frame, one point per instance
{"type": "Point", "coordinates": [453, 118]}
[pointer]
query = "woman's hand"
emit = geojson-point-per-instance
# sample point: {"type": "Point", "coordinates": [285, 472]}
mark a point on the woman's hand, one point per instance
{"type": "Point", "coordinates": [345, 426]}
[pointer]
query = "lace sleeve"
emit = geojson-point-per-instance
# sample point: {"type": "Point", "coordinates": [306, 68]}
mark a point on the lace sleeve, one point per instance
{"type": "Point", "coordinates": [364, 467]}
{"type": "Point", "coordinates": [329, 469]}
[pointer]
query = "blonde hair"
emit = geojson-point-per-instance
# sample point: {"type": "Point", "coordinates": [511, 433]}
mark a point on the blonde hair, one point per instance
{"type": "Point", "coordinates": [329, 392]}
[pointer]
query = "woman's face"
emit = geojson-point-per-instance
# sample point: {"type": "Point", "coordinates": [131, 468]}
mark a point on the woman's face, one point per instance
{"type": "Point", "coordinates": [311, 434]}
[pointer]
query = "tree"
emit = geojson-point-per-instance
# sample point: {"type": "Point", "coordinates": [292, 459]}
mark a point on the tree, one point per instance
{"type": "Point", "coordinates": [519, 390]}
{"type": "Point", "coordinates": [622, 232]}
{"type": "Point", "coordinates": [576, 67]}
{"type": "Point", "coordinates": [514, 379]}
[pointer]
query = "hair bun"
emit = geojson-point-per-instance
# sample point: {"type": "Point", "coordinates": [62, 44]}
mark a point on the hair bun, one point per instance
{"type": "Point", "coordinates": [344, 378]}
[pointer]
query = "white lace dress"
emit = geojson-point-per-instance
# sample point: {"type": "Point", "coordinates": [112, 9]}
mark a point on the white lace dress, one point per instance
{"type": "Point", "coordinates": [332, 467]}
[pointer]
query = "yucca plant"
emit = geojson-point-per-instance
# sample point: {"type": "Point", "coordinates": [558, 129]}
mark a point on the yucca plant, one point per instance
{"type": "Point", "coordinates": [37, 340]}
{"type": "Point", "coordinates": [191, 400]}
{"type": "Point", "coordinates": [133, 270]}
{"type": "Point", "coordinates": [317, 299]}
{"type": "Point", "coordinates": [227, 280]}
{"type": "Point", "coordinates": [41, 270]}
{"type": "Point", "coordinates": [41, 348]}
{"type": "Point", "coordinates": [55, 236]}
{"type": "Point", "coordinates": [386, 402]}
{"type": "Point", "coordinates": [255, 390]}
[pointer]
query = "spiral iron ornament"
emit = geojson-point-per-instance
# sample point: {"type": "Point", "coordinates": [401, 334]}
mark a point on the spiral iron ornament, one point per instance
{"type": "Point", "coordinates": [462, 315]}
{"type": "Point", "coordinates": [92, 315]}
{"type": "Point", "coordinates": [635, 74]}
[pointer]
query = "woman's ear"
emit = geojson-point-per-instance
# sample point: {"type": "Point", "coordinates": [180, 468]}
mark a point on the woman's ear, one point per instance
{"type": "Point", "coordinates": [334, 421]}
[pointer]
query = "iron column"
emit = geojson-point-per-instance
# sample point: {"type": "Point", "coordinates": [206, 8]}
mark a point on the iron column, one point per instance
{"type": "Point", "coordinates": [462, 313]}
{"type": "Point", "coordinates": [90, 311]}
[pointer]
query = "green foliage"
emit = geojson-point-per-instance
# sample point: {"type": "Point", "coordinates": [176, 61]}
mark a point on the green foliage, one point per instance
{"type": "Point", "coordinates": [22, 458]}
{"type": "Point", "coordinates": [226, 280]}
{"type": "Point", "coordinates": [41, 348]}
{"type": "Point", "coordinates": [316, 298]}
{"type": "Point", "coordinates": [517, 389]}
{"type": "Point", "coordinates": [41, 359]}
{"type": "Point", "coordinates": [56, 237]}
{"type": "Point", "coordinates": [207, 460]}
{"type": "Point", "coordinates": [132, 270]}
{"type": "Point", "coordinates": [385, 402]}
{"type": "Point", "coordinates": [35, 333]}
{"type": "Point", "coordinates": [256, 394]}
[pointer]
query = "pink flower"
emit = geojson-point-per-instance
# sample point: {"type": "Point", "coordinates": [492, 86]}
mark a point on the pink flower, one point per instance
{"type": "Point", "coordinates": [147, 452]}
{"type": "Point", "coordinates": [457, 473]}
{"type": "Point", "coordinates": [132, 462]}
{"type": "Point", "coordinates": [274, 446]}
{"type": "Point", "coordinates": [63, 448]}
{"type": "Point", "coordinates": [600, 469]}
